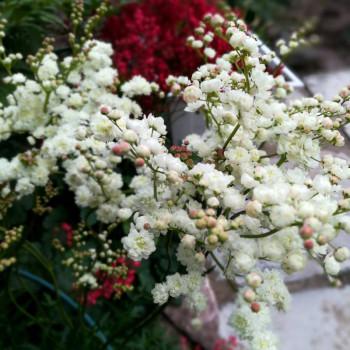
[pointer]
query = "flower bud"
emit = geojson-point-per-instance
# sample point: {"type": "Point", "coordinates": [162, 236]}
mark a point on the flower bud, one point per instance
{"type": "Point", "coordinates": [188, 241]}
{"type": "Point", "coordinates": [342, 254]}
{"type": "Point", "coordinates": [143, 151]}
{"type": "Point", "coordinates": [200, 258]}
{"type": "Point", "coordinates": [336, 283]}
{"type": "Point", "coordinates": [255, 306]}
{"type": "Point", "coordinates": [295, 261]}
{"type": "Point", "coordinates": [322, 239]}
{"type": "Point", "coordinates": [201, 223]}
{"type": "Point", "coordinates": [193, 214]}
{"type": "Point", "coordinates": [80, 133]}
{"type": "Point", "coordinates": [308, 244]}
{"type": "Point", "coordinates": [130, 136]}
{"type": "Point", "coordinates": [229, 118]}
{"type": "Point", "coordinates": [249, 295]}
{"type": "Point", "coordinates": [115, 114]}
{"type": "Point", "coordinates": [213, 202]}
{"type": "Point", "coordinates": [253, 279]}
{"type": "Point", "coordinates": [212, 239]}
{"type": "Point", "coordinates": [223, 236]}
{"type": "Point", "coordinates": [253, 209]}
{"type": "Point", "coordinates": [306, 232]}
{"type": "Point", "coordinates": [104, 110]}
{"type": "Point", "coordinates": [331, 266]}
{"type": "Point", "coordinates": [140, 162]}
{"type": "Point", "coordinates": [191, 94]}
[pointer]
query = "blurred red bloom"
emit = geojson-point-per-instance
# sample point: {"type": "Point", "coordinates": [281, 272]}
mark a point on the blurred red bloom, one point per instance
{"type": "Point", "coordinates": [149, 38]}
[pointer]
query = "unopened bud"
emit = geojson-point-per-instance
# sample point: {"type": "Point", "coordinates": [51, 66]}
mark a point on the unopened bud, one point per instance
{"type": "Point", "coordinates": [213, 202]}
{"type": "Point", "coordinates": [342, 254]}
{"type": "Point", "coordinates": [189, 241]}
{"type": "Point", "coordinates": [140, 162]}
{"type": "Point", "coordinates": [322, 240]}
{"type": "Point", "coordinates": [308, 244]}
{"type": "Point", "coordinates": [212, 239]}
{"type": "Point", "coordinates": [306, 232]}
{"type": "Point", "coordinates": [253, 279]}
{"type": "Point", "coordinates": [200, 258]}
{"type": "Point", "coordinates": [255, 306]}
{"type": "Point", "coordinates": [249, 295]}
{"type": "Point", "coordinates": [104, 110]}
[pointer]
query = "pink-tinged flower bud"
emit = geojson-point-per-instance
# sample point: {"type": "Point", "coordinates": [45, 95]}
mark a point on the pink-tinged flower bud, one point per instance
{"type": "Point", "coordinates": [336, 283]}
{"type": "Point", "coordinates": [308, 244]}
{"type": "Point", "coordinates": [188, 241]}
{"type": "Point", "coordinates": [344, 204]}
{"type": "Point", "coordinates": [130, 136]}
{"type": "Point", "coordinates": [146, 225]}
{"type": "Point", "coordinates": [306, 232]}
{"type": "Point", "coordinates": [99, 175]}
{"type": "Point", "coordinates": [104, 110]}
{"type": "Point", "coordinates": [140, 162]}
{"type": "Point", "coordinates": [193, 214]}
{"type": "Point", "coordinates": [211, 222]}
{"type": "Point", "coordinates": [125, 146]}
{"type": "Point", "coordinates": [322, 239]}
{"type": "Point", "coordinates": [210, 212]}
{"type": "Point", "coordinates": [253, 209]}
{"type": "Point", "coordinates": [117, 150]}
{"type": "Point", "coordinates": [253, 279]}
{"type": "Point", "coordinates": [249, 295]}
{"type": "Point", "coordinates": [186, 142]}
{"type": "Point", "coordinates": [201, 223]}
{"type": "Point", "coordinates": [200, 214]}
{"type": "Point", "coordinates": [191, 94]}
{"type": "Point", "coordinates": [342, 254]}
{"type": "Point", "coordinates": [255, 306]}
{"type": "Point", "coordinates": [212, 239]}
{"type": "Point", "coordinates": [200, 258]}
{"type": "Point", "coordinates": [259, 172]}
{"type": "Point", "coordinates": [344, 92]}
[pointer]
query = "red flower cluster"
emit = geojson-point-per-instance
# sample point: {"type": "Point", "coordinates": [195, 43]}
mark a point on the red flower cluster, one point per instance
{"type": "Point", "coordinates": [68, 229]}
{"type": "Point", "coordinates": [149, 38]}
{"type": "Point", "coordinates": [112, 286]}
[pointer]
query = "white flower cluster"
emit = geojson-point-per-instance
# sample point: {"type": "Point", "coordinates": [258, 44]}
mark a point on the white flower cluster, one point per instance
{"type": "Point", "coordinates": [67, 118]}
{"type": "Point", "coordinates": [236, 199]}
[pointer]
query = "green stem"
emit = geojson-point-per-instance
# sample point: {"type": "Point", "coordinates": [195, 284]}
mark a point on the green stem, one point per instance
{"type": "Point", "coordinates": [222, 268]}
{"type": "Point", "coordinates": [37, 254]}
{"type": "Point", "coordinates": [282, 160]}
{"type": "Point", "coordinates": [231, 136]}
{"type": "Point", "coordinates": [262, 235]}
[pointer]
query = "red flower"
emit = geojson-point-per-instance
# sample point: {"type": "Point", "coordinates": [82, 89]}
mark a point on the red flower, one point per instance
{"type": "Point", "coordinates": [109, 285]}
{"type": "Point", "coordinates": [149, 38]}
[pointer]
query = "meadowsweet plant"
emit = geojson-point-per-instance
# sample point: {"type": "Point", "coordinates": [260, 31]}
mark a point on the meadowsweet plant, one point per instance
{"type": "Point", "coordinates": [237, 195]}
{"type": "Point", "coordinates": [230, 201]}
